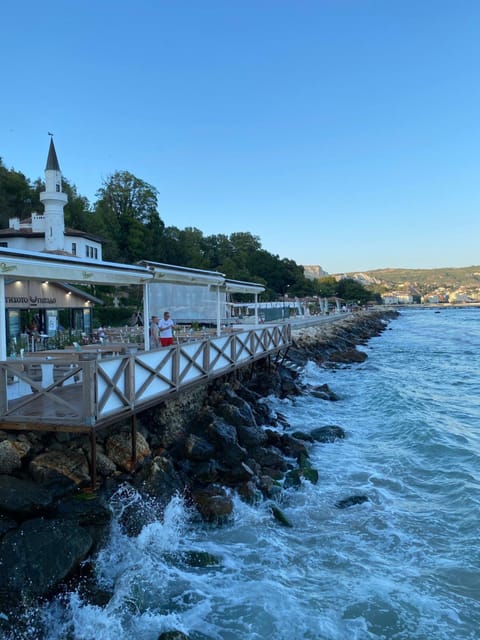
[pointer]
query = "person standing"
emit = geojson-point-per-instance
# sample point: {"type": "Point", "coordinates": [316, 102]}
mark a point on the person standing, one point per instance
{"type": "Point", "coordinates": [154, 333]}
{"type": "Point", "coordinates": [166, 327]}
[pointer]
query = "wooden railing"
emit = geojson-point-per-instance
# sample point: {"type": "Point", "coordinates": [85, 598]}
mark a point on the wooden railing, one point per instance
{"type": "Point", "coordinates": [83, 390]}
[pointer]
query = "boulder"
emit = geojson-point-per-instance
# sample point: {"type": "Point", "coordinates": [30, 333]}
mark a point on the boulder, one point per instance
{"type": "Point", "coordinates": [23, 498]}
{"type": "Point", "coordinates": [351, 501]}
{"type": "Point", "coordinates": [119, 450]}
{"type": "Point", "coordinates": [39, 554]}
{"type": "Point", "coordinates": [329, 433]}
{"type": "Point", "coordinates": [197, 448]}
{"type": "Point", "coordinates": [12, 453]}
{"type": "Point", "coordinates": [213, 504]}
{"type": "Point", "coordinates": [160, 479]}
{"type": "Point", "coordinates": [61, 469]}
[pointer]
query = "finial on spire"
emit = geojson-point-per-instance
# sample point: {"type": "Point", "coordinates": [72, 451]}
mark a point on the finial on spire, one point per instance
{"type": "Point", "coordinates": [50, 134]}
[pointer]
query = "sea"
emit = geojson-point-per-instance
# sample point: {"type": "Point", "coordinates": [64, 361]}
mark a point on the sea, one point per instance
{"type": "Point", "coordinates": [404, 564]}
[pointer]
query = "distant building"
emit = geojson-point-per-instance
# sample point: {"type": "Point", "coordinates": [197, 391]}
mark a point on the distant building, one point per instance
{"type": "Point", "coordinates": [397, 298]}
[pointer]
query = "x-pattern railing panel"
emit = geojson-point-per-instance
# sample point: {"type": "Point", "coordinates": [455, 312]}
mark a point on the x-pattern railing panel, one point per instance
{"type": "Point", "coordinates": [112, 385]}
{"type": "Point", "coordinates": [123, 383]}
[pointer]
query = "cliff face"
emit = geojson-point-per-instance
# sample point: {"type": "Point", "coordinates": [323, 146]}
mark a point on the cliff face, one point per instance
{"type": "Point", "coordinates": [218, 438]}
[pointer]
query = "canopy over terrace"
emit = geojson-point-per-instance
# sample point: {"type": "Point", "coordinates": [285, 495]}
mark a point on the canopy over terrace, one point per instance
{"type": "Point", "coordinates": [32, 265]}
{"type": "Point", "coordinates": [186, 276]}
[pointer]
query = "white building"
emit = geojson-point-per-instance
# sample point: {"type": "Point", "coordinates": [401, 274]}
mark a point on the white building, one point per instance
{"type": "Point", "coordinates": [46, 231]}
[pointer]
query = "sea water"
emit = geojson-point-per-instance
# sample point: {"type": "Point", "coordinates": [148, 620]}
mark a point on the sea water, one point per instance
{"type": "Point", "coordinates": [402, 565]}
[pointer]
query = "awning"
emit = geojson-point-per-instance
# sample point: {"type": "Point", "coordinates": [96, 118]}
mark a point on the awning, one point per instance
{"type": "Point", "coordinates": [41, 266]}
{"type": "Point", "coordinates": [173, 274]}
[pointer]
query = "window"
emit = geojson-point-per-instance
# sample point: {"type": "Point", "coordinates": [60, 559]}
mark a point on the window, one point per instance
{"type": "Point", "coordinates": [3, 244]}
{"type": "Point", "coordinates": [74, 248]}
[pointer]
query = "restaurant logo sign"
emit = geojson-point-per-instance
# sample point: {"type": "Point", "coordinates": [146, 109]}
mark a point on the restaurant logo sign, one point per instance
{"type": "Point", "coordinates": [33, 301]}
{"type": "Point", "coordinates": [4, 268]}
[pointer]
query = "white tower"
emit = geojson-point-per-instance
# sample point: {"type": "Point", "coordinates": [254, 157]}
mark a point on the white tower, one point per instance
{"type": "Point", "coordinates": [53, 200]}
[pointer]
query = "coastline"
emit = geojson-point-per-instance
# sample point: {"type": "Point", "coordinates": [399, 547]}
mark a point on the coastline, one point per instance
{"type": "Point", "coordinates": [202, 445]}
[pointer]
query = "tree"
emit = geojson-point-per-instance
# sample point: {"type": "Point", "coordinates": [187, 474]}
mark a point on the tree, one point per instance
{"type": "Point", "coordinates": [16, 195]}
{"type": "Point", "coordinates": [127, 216]}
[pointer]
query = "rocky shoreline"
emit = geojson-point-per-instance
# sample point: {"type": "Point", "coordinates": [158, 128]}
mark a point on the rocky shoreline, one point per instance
{"type": "Point", "coordinates": [219, 438]}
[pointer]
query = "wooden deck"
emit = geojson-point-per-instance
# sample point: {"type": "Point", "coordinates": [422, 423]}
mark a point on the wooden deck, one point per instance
{"type": "Point", "coordinates": [85, 391]}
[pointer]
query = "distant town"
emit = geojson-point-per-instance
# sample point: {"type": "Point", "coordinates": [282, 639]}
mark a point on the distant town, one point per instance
{"type": "Point", "coordinates": [415, 286]}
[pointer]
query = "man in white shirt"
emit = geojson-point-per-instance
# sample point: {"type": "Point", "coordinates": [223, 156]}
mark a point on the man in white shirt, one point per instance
{"type": "Point", "coordinates": [166, 326]}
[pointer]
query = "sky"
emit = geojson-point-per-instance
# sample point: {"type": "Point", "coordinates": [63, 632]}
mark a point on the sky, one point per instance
{"type": "Point", "coordinates": [342, 133]}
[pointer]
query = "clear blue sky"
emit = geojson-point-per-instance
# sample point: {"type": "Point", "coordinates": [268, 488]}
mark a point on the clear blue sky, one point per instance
{"type": "Point", "coordinates": [344, 133]}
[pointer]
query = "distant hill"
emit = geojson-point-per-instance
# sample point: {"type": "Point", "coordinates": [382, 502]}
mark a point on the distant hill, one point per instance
{"type": "Point", "coordinates": [442, 277]}
{"type": "Point", "coordinates": [450, 280]}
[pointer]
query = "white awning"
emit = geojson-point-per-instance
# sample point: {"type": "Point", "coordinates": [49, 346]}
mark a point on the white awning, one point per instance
{"type": "Point", "coordinates": [173, 274]}
{"type": "Point", "coordinates": [238, 286]}
{"type": "Point", "coordinates": [41, 266]}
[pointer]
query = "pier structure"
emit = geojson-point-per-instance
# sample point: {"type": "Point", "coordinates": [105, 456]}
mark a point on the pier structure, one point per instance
{"type": "Point", "coordinates": [88, 388]}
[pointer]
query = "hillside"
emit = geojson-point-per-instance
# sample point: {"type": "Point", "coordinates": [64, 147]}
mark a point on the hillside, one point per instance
{"type": "Point", "coordinates": [450, 280]}
{"type": "Point", "coordinates": [443, 277]}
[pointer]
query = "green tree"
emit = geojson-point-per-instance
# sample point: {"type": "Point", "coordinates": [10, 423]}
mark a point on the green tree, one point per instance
{"type": "Point", "coordinates": [127, 216]}
{"type": "Point", "coordinates": [16, 195]}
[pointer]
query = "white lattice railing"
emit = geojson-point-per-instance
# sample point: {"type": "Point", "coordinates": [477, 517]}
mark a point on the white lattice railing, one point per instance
{"type": "Point", "coordinates": [70, 391]}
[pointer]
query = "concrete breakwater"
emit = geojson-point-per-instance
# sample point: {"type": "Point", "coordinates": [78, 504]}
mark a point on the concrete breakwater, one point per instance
{"type": "Point", "coordinates": [219, 438]}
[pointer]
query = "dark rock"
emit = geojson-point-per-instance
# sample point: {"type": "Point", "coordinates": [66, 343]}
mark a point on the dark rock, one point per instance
{"type": "Point", "coordinates": [324, 393]}
{"type": "Point", "coordinates": [250, 436]}
{"type": "Point", "coordinates": [6, 524]}
{"type": "Point", "coordinates": [23, 498]}
{"type": "Point", "coordinates": [249, 493]}
{"type": "Point", "coordinates": [197, 448]}
{"type": "Point", "coordinates": [280, 516]}
{"type": "Point", "coordinates": [351, 355]}
{"type": "Point", "coordinates": [39, 554]}
{"type": "Point", "coordinates": [292, 447]}
{"type": "Point", "coordinates": [351, 501]}
{"type": "Point", "coordinates": [205, 472]}
{"type": "Point", "coordinates": [173, 635]}
{"type": "Point", "coordinates": [213, 504]}
{"type": "Point", "coordinates": [329, 433]}
{"type": "Point", "coordinates": [269, 457]}
{"type": "Point", "coordinates": [159, 479]}
{"type": "Point", "coordinates": [300, 435]}
{"type": "Point", "coordinates": [84, 509]}
{"type": "Point", "coordinates": [224, 437]}
{"type": "Point", "coordinates": [292, 479]}
{"type": "Point", "coordinates": [199, 559]}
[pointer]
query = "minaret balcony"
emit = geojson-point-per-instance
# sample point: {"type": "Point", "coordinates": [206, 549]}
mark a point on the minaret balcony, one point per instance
{"type": "Point", "coordinates": [53, 196]}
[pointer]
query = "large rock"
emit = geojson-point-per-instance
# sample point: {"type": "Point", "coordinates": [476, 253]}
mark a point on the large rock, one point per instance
{"type": "Point", "coordinates": [23, 498]}
{"type": "Point", "coordinates": [66, 469]}
{"type": "Point", "coordinates": [329, 433]}
{"type": "Point", "coordinates": [40, 554]}
{"type": "Point", "coordinates": [160, 479]}
{"type": "Point", "coordinates": [213, 504]}
{"type": "Point", "coordinates": [197, 448]}
{"type": "Point", "coordinates": [12, 453]}
{"type": "Point", "coordinates": [119, 449]}
{"type": "Point", "coordinates": [224, 438]}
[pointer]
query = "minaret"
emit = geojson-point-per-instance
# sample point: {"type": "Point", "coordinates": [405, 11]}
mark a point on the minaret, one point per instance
{"type": "Point", "coordinates": [53, 200]}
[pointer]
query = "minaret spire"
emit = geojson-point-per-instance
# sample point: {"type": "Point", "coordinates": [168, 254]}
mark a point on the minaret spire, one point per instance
{"type": "Point", "coordinates": [53, 200]}
{"type": "Point", "coordinates": [52, 160]}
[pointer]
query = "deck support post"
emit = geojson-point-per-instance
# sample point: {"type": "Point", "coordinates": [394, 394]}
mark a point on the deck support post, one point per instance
{"type": "Point", "coordinates": [93, 459]}
{"type": "Point", "coordinates": [134, 441]}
